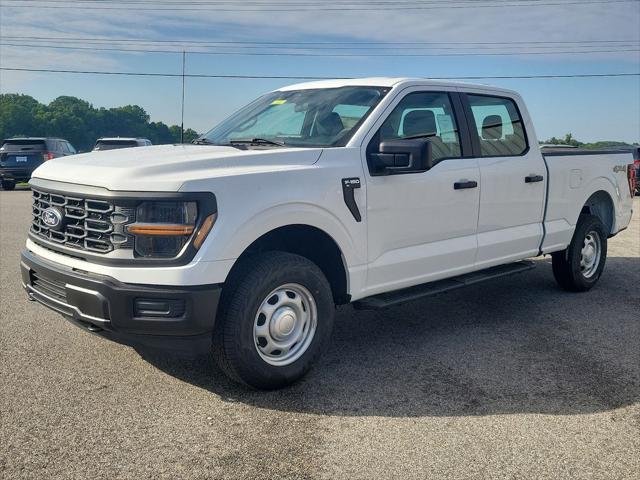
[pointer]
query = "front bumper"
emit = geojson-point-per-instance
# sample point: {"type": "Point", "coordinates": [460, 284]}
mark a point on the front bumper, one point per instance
{"type": "Point", "coordinates": [171, 317]}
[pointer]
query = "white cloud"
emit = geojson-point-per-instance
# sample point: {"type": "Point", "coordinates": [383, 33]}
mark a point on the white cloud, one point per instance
{"type": "Point", "coordinates": [548, 23]}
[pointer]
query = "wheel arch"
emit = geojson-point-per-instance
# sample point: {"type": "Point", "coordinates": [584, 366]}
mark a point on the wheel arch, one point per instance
{"type": "Point", "coordinates": [600, 204]}
{"type": "Point", "coordinates": [310, 242]}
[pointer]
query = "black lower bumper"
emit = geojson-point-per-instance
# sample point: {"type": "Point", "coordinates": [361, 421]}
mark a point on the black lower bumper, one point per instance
{"type": "Point", "coordinates": [15, 175]}
{"type": "Point", "coordinates": [172, 317]}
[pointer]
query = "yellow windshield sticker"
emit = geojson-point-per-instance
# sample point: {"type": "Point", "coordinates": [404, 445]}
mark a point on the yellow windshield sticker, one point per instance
{"type": "Point", "coordinates": [278, 102]}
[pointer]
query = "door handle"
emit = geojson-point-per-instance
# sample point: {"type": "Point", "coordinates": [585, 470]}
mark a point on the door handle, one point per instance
{"type": "Point", "coordinates": [462, 184]}
{"type": "Point", "coordinates": [533, 178]}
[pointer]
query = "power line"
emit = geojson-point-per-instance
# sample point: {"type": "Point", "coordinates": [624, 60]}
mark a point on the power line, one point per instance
{"type": "Point", "coordinates": [322, 8]}
{"type": "Point", "coordinates": [271, 3]}
{"type": "Point", "coordinates": [323, 43]}
{"type": "Point", "coordinates": [294, 77]}
{"type": "Point", "coordinates": [360, 54]}
{"type": "Point", "coordinates": [297, 4]}
{"type": "Point", "coordinates": [134, 47]}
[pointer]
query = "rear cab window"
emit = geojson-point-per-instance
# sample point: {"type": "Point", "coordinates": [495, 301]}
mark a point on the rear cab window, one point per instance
{"type": "Point", "coordinates": [499, 126]}
{"type": "Point", "coordinates": [113, 144]}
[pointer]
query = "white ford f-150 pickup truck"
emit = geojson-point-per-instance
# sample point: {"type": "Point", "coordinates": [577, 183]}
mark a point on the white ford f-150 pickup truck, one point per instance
{"type": "Point", "coordinates": [373, 191]}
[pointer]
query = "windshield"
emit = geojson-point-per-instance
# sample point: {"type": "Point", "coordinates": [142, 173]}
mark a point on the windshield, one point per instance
{"type": "Point", "coordinates": [325, 117]}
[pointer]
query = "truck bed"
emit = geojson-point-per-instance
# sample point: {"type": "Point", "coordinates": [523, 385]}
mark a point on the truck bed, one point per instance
{"type": "Point", "coordinates": [562, 152]}
{"type": "Point", "coordinates": [574, 175]}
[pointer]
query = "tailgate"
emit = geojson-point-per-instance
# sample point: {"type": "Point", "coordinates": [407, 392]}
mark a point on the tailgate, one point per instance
{"type": "Point", "coordinates": [22, 160]}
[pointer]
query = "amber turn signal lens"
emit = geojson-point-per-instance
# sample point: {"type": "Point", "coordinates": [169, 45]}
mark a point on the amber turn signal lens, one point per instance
{"type": "Point", "coordinates": [160, 229]}
{"type": "Point", "coordinates": [204, 230]}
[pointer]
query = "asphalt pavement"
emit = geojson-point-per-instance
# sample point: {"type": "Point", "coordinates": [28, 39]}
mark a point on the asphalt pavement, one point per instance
{"type": "Point", "coordinates": [509, 379]}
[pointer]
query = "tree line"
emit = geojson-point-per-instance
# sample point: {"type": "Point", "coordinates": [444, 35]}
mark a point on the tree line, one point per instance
{"type": "Point", "coordinates": [568, 139]}
{"type": "Point", "coordinates": [81, 123]}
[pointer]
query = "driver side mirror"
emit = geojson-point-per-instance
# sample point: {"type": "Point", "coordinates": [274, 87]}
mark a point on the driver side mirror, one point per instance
{"type": "Point", "coordinates": [401, 156]}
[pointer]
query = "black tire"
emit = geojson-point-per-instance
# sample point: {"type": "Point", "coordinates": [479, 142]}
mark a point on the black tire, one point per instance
{"type": "Point", "coordinates": [248, 287]}
{"type": "Point", "coordinates": [567, 268]}
{"type": "Point", "coordinates": [8, 185]}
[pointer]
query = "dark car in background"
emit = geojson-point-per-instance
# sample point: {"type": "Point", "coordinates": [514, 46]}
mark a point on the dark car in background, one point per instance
{"type": "Point", "coordinates": [120, 142]}
{"type": "Point", "coordinates": [19, 157]}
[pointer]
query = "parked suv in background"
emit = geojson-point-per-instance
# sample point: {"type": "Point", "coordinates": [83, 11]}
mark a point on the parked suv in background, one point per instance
{"type": "Point", "coordinates": [120, 142]}
{"type": "Point", "coordinates": [19, 157]}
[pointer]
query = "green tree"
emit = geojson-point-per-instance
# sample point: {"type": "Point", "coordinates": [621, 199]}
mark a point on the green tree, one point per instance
{"type": "Point", "coordinates": [20, 115]}
{"type": "Point", "coordinates": [189, 134]}
{"type": "Point", "coordinates": [80, 122]}
{"type": "Point", "coordinates": [570, 140]}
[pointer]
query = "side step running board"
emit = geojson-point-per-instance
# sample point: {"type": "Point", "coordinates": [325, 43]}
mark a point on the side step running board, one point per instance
{"type": "Point", "coordinates": [398, 297]}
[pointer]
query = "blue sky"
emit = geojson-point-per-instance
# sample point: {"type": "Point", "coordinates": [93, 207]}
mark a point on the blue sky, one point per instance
{"type": "Point", "coordinates": [590, 108]}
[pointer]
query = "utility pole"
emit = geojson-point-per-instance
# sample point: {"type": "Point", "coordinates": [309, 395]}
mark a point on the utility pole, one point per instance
{"type": "Point", "coordinates": [184, 57]}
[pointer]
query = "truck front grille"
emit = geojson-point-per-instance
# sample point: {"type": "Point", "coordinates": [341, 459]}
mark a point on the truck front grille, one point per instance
{"type": "Point", "coordinates": [87, 224]}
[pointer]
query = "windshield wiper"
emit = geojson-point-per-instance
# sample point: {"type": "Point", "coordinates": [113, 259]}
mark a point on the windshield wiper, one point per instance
{"type": "Point", "coordinates": [255, 141]}
{"type": "Point", "coordinates": [203, 141]}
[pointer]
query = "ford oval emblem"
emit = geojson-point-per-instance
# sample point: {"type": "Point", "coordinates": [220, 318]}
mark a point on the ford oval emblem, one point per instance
{"type": "Point", "coordinates": [52, 217]}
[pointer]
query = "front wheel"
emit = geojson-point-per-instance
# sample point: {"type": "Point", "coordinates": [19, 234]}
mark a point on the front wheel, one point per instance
{"type": "Point", "coordinates": [578, 268]}
{"type": "Point", "coordinates": [275, 318]}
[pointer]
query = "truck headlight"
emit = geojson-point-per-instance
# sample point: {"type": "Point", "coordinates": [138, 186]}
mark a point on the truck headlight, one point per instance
{"type": "Point", "coordinates": [163, 228]}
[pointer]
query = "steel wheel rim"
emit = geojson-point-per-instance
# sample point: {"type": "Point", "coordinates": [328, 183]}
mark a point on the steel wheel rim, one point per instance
{"type": "Point", "coordinates": [590, 254]}
{"type": "Point", "coordinates": [285, 324]}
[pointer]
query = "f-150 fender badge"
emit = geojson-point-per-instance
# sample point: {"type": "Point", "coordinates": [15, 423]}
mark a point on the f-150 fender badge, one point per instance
{"type": "Point", "coordinates": [619, 168]}
{"type": "Point", "coordinates": [348, 186]}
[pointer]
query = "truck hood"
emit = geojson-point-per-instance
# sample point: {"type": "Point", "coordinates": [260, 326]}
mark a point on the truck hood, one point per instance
{"type": "Point", "coordinates": [168, 167]}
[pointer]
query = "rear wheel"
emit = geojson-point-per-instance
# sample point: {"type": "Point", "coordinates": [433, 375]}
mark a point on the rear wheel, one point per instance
{"type": "Point", "coordinates": [275, 319]}
{"type": "Point", "coordinates": [8, 185]}
{"type": "Point", "coordinates": [578, 268]}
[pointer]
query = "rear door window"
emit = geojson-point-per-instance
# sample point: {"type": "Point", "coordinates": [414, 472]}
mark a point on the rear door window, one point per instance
{"type": "Point", "coordinates": [499, 126]}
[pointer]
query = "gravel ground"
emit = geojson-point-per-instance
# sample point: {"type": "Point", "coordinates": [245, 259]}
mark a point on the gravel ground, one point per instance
{"type": "Point", "coordinates": [510, 379]}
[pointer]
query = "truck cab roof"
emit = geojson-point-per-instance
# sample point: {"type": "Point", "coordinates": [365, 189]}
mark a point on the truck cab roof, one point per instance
{"type": "Point", "coordinates": [393, 82]}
